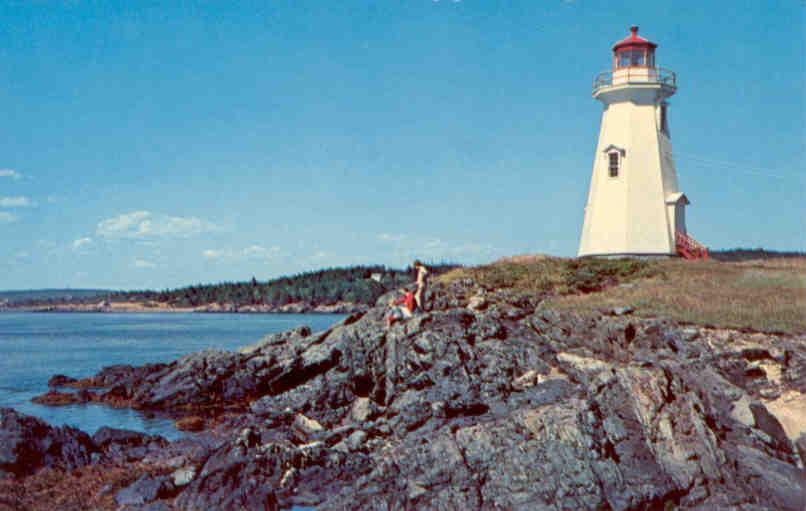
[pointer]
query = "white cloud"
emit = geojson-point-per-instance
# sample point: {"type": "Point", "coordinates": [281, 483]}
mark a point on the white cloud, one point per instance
{"type": "Point", "coordinates": [15, 202]}
{"type": "Point", "coordinates": [140, 225]}
{"type": "Point", "coordinates": [82, 243]}
{"type": "Point", "coordinates": [13, 174]}
{"type": "Point", "coordinates": [391, 237]}
{"type": "Point", "coordinates": [258, 252]}
{"type": "Point", "coordinates": [128, 225]}
{"type": "Point", "coordinates": [439, 250]}
{"type": "Point", "coordinates": [7, 218]}
{"type": "Point", "coordinates": [142, 263]}
{"type": "Point", "coordinates": [252, 252]}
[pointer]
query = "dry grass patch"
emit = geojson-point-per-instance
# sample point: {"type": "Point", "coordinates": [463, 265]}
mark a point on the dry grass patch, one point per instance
{"type": "Point", "coordinates": [555, 275]}
{"type": "Point", "coordinates": [767, 295]}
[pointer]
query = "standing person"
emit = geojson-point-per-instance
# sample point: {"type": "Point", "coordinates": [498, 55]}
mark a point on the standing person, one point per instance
{"type": "Point", "coordinates": [422, 284]}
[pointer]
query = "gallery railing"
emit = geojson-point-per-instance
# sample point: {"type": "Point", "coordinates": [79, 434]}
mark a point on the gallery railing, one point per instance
{"type": "Point", "coordinates": [627, 75]}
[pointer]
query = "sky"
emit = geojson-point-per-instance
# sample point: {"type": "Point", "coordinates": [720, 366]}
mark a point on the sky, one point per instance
{"type": "Point", "coordinates": [161, 144]}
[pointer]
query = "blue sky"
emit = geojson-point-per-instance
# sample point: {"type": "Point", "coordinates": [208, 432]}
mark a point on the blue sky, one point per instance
{"type": "Point", "coordinates": [150, 144]}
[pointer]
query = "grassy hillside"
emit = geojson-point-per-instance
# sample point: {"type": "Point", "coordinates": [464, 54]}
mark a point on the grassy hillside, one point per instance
{"type": "Point", "coordinates": [764, 294]}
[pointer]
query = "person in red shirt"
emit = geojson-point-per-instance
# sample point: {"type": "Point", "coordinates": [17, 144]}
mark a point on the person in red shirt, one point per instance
{"type": "Point", "coordinates": [402, 308]}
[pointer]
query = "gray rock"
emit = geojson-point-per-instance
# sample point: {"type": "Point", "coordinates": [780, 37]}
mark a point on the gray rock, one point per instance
{"type": "Point", "coordinates": [356, 440]}
{"type": "Point", "coordinates": [159, 505]}
{"type": "Point", "coordinates": [60, 380]}
{"type": "Point", "coordinates": [308, 427]}
{"type": "Point", "coordinates": [183, 476]}
{"type": "Point", "coordinates": [800, 446]}
{"type": "Point", "coordinates": [766, 422]}
{"type": "Point", "coordinates": [278, 339]}
{"type": "Point", "coordinates": [775, 482]}
{"type": "Point", "coordinates": [233, 479]}
{"type": "Point", "coordinates": [477, 303]}
{"type": "Point", "coordinates": [528, 379]}
{"type": "Point", "coordinates": [361, 410]}
{"type": "Point", "coordinates": [28, 444]}
{"type": "Point", "coordinates": [105, 437]}
{"type": "Point", "coordinates": [145, 489]}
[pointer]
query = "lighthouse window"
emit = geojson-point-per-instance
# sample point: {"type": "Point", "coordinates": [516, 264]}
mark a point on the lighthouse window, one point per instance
{"type": "Point", "coordinates": [613, 164]}
{"type": "Point", "coordinates": [623, 59]}
{"type": "Point", "coordinates": [664, 123]}
{"type": "Point", "coordinates": [631, 58]}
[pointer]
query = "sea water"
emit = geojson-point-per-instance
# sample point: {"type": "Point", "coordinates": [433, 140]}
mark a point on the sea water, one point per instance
{"type": "Point", "coordinates": [35, 346]}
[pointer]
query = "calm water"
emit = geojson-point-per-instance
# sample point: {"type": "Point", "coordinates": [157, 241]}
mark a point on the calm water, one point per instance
{"type": "Point", "coordinates": [33, 347]}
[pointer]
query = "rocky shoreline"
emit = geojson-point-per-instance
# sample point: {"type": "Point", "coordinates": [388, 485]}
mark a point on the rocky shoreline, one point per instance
{"type": "Point", "coordinates": [487, 401]}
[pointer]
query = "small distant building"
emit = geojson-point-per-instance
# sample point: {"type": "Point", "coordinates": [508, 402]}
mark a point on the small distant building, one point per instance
{"type": "Point", "coordinates": [634, 205]}
{"type": "Point", "coordinates": [377, 277]}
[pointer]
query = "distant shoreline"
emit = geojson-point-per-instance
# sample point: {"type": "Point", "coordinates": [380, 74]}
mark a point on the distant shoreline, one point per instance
{"type": "Point", "coordinates": [213, 308]}
{"type": "Point", "coordinates": [328, 291]}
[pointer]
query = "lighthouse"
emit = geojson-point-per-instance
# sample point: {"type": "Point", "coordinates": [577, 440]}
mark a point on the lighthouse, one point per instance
{"type": "Point", "coordinates": [634, 205]}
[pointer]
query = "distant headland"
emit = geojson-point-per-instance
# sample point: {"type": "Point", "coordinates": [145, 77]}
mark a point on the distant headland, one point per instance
{"type": "Point", "coordinates": [332, 290]}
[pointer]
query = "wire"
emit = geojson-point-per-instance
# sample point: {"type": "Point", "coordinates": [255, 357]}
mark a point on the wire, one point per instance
{"type": "Point", "coordinates": [733, 167]}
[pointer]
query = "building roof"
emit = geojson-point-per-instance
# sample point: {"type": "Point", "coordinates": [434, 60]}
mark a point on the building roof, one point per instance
{"type": "Point", "coordinates": [675, 197]}
{"type": "Point", "coordinates": [634, 40]}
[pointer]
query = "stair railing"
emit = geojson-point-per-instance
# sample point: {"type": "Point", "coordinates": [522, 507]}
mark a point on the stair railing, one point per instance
{"type": "Point", "coordinates": [690, 248]}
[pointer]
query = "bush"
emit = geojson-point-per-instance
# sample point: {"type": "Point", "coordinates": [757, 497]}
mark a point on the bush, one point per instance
{"type": "Point", "coordinates": [593, 274]}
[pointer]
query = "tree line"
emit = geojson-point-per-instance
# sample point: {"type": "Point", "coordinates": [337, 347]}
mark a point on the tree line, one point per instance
{"type": "Point", "coordinates": [356, 284]}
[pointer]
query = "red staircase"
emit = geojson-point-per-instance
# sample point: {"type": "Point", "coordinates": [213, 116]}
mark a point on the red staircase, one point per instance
{"type": "Point", "coordinates": [689, 248]}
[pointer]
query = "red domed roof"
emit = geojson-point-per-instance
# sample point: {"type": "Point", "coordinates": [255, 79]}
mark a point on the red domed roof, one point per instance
{"type": "Point", "coordinates": [634, 40]}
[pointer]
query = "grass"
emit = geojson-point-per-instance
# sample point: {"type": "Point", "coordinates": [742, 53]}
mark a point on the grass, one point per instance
{"type": "Point", "coordinates": [553, 275]}
{"type": "Point", "coordinates": [765, 295]}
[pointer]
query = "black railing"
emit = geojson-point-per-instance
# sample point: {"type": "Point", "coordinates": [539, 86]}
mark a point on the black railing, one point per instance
{"type": "Point", "coordinates": [636, 75]}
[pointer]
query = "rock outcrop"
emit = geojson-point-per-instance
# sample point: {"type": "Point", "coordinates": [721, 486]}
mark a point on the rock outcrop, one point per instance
{"type": "Point", "coordinates": [487, 401]}
{"type": "Point", "coordinates": [28, 444]}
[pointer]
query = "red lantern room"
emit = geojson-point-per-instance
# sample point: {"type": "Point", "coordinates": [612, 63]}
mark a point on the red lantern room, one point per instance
{"type": "Point", "coordinates": [634, 65]}
{"type": "Point", "coordinates": [634, 51]}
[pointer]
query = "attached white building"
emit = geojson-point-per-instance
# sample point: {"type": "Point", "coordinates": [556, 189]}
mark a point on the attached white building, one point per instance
{"type": "Point", "coordinates": [634, 205]}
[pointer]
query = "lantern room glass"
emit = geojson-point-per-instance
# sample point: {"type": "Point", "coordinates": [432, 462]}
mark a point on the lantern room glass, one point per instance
{"type": "Point", "coordinates": [643, 57]}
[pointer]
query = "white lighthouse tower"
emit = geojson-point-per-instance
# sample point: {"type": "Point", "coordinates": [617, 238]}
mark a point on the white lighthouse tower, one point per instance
{"type": "Point", "coordinates": [634, 205]}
